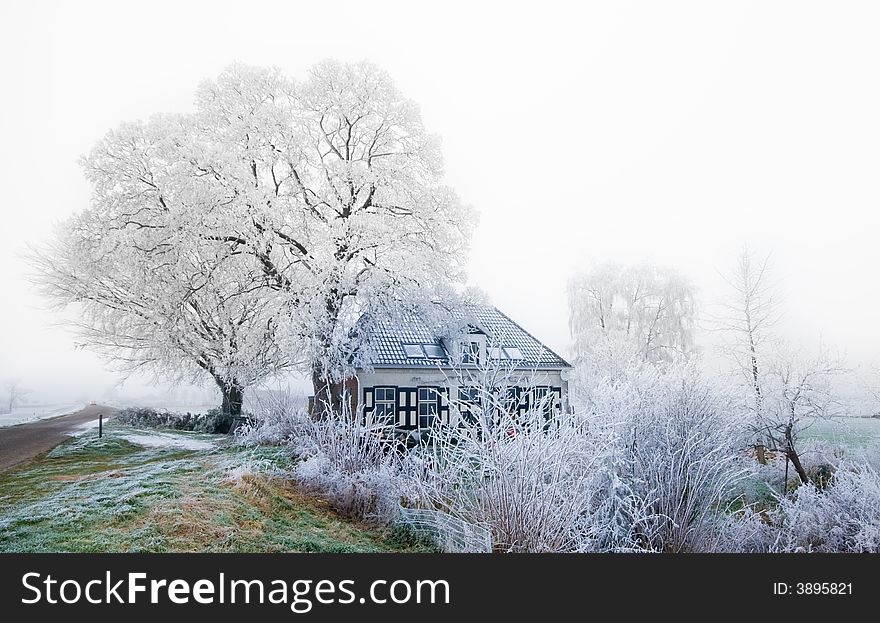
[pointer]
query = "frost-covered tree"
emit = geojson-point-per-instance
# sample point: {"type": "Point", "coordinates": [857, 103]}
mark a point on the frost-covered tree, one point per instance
{"type": "Point", "coordinates": [325, 197]}
{"type": "Point", "coordinates": [619, 314]}
{"type": "Point", "coordinates": [798, 389]}
{"type": "Point", "coordinates": [788, 388]}
{"type": "Point", "coordinates": [151, 297]}
{"type": "Point", "coordinates": [749, 317]}
{"type": "Point", "coordinates": [15, 394]}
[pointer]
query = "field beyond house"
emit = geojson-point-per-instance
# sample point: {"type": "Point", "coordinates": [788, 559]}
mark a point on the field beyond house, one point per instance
{"type": "Point", "coordinates": [854, 438]}
{"type": "Point", "coordinates": [168, 491]}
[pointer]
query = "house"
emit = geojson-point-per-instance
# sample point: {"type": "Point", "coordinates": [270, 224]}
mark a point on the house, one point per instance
{"type": "Point", "coordinates": [417, 374]}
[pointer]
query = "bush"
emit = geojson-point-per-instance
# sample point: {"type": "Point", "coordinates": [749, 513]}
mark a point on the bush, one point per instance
{"type": "Point", "coordinates": [214, 421]}
{"type": "Point", "coordinates": [279, 418]}
{"type": "Point", "coordinates": [146, 417]}
{"type": "Point", "coordinates": [404, 536]}
{"type": "Point", "coordinates": [650, 466]}
{"type": "Point", "coordinates": [844, 517]}
{"type": "Point", "coordinates": [679, 448]}
{"type": "Point", "coordinates": [539, 486]}
{"type": "Point", "coordinates": [352, 465]}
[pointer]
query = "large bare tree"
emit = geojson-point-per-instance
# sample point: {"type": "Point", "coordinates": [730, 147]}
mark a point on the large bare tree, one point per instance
{"type": "Point", "coordinates": [150, 298]}
{"type": "Point", "coordinates": [308, 203]}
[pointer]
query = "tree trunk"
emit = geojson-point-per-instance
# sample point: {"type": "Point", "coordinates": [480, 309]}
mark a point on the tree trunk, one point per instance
{"type": "Point", "coordinates": [796, 463]}
{"type": "Point", "coordinates": [233, 396]}
{"type": "Point", "coordinates": [793, 456]}
{"type": "Point", "coordinates": [327, 396]}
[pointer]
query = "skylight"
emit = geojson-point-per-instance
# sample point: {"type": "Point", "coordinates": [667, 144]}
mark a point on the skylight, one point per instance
{"type": "Point", "coordinates": [434, 352]}
{"type": "Point", "coordinates": [497, 353]}
{"type": "Point", "coordinates": [414, 351]}
{"type": "Point", "coordinates": [513, 352]}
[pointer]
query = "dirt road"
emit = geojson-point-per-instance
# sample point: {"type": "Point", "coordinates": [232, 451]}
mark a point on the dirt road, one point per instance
{"type": "Point", "coordinates": [25, 441]}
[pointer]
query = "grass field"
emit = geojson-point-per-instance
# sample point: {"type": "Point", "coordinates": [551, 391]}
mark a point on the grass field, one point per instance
{"type": "Point", "coordinates": [136, 490]}
{"type": "Point", "coordinates": [852, 434]}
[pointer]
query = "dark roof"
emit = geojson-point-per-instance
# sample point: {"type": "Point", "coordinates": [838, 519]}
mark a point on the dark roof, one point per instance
{"type": "Point", "coordinates": [387, 337]}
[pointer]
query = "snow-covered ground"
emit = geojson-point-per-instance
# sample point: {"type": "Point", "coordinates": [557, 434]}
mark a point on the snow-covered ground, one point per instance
{"type": "Point", "coordinates": [29, 413]}
{"type": "Point", "coordinates": [85, 427]}
{"type": "Point", "coordinates": [168, 440]}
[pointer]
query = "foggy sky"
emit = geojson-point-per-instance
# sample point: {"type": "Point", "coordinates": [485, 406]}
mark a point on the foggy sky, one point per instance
{"type": "Point", "coordinates": [672, 131]}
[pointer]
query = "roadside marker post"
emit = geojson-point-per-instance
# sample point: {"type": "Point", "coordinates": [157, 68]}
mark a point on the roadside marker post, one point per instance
{"type": "Point", "coordinates": [100, 425]}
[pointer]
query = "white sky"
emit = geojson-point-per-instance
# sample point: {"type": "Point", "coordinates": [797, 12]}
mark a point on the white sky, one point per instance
{"type": "Point", "coordinates": [675, 131]}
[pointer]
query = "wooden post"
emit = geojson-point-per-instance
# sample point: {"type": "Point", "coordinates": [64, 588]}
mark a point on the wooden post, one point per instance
{"type": "Point", "coordinates": [100, 425]}
{"type": "Point", "coordinates": [762, 458]}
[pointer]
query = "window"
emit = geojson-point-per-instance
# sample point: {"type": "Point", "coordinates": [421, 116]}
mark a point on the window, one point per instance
{"type": "Point", "coordinates": [385, 400]}
{"type": "Point", "coordinates": [427, 406]}
{"type": "Point", "coordinates": [470, 353]}
{"type": "Point", "coordinates": [420, 351]}
{"type": "Point", "coordinates": [414, 351]}
{"type": "Point", "coordinates": [469, 394]}
{"type": "Point", "coordinates": [512, 400]}
{"type": "Point", "coordinates": [542, 400]}
{"type": "Point", "coordinates": [434, 352]}
{"type": "Point", "coordinates": [513, 352]}
{"type": "Point", "coordinates": [497, 353]}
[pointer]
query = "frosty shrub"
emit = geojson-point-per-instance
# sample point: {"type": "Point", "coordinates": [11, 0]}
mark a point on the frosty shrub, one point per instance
{"type": "Point", "coordinates": [844, 517]}
{"type": "Point", "coordinates": [278, 417]}
{"type": "Point", "coordinates": [871, 454]}
{"type": "Point", "coordinates": [742, 532]}
{"type": "Point", "coordinates": [539, 484]}
{"type": "Point", "coordinates": [679, 447]}
{"type": "Point", "coordinates": [352, 465]}
{"type": "Point", "coordinates": [146, 417]}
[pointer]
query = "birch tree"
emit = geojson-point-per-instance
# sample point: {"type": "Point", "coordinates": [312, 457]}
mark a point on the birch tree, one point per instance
{"type": "Point", "coordinates": [799, 389]}
{"type": "Point", "coordinates": [749, 317]}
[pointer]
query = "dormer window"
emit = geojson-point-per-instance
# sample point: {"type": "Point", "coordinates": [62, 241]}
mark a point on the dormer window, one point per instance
{"type": "Point", "coordinates": [470, 353]}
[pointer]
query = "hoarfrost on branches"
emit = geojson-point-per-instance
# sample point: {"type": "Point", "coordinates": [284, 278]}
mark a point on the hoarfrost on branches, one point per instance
{"type": "Point", "coordinates": [298, 206]}
{"type": "Point", "coordinates": [843, 517]}
{"type": "Point", "coordinates": [621, 314]}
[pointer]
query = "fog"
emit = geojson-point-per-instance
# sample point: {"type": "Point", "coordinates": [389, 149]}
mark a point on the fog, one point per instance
{"type": "Point", "coordinates": [673, 131]}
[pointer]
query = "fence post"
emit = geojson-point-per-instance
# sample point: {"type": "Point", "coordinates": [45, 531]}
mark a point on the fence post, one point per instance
{"type": "Point", "coordinates": [100, 425]}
